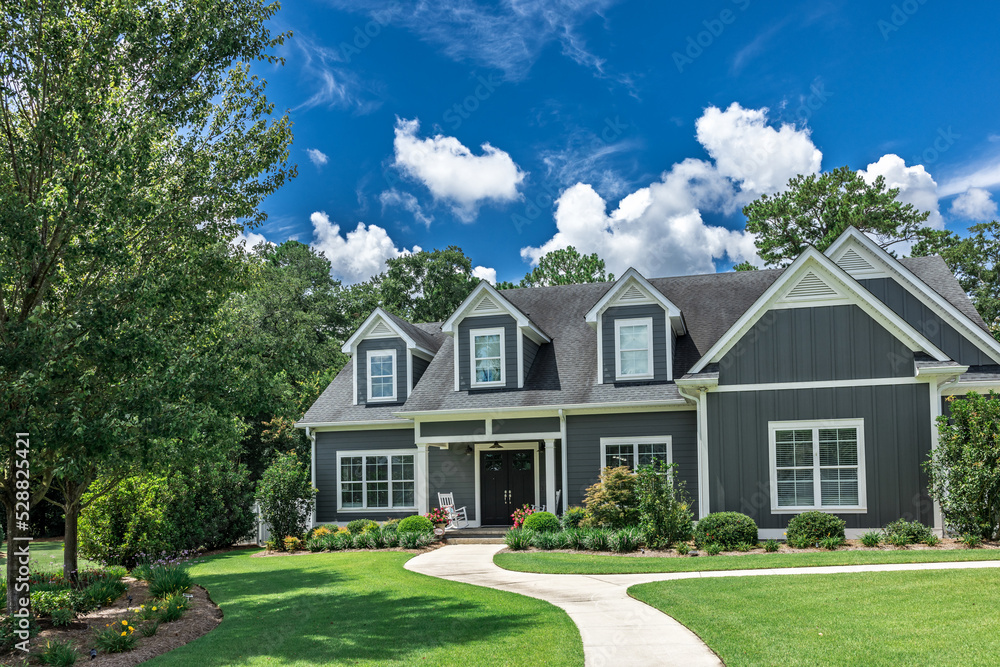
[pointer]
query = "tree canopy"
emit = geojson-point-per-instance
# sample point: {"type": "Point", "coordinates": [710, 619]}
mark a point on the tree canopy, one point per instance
{"type": "Point", "coordinates": [427, 286]}
{"type": "Point", "coordinates": [565, 266]}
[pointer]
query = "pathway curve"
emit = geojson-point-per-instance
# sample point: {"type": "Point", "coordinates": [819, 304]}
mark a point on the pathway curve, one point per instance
{"type": "Point", "coordinates": [616, 629]}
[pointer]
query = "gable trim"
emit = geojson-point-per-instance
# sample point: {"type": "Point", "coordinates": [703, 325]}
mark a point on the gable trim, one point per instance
{"type": "Point", "coordinates": [380, 321]}
{"type": "Point", "coordinates": [624, 285]}
{"type": "Point", "coordinates": [479, 295]}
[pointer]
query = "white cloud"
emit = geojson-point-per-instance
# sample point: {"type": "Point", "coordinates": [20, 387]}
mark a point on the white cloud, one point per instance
{"type": "Point", "coordinates": [485, 273]}
{"type": "Point", "coordinates": [984, 175]}
{"type": "Point", "coordinates": [359, 254]}
{"type": "Point", "coordinates": [333, 83]}
{"type": "Point", "coordinates": [452, 173]}
{"type": "Point", "coordinates": [408, 202]}
{"type": "Point", "coordinates": [916, 186]}
{"type": "Point", "coordinates": [249, 240]}
{"type": "Point", "coordinates": [317, 157]}
{"type": "Point", "coordinates": [758, 157]}
{"type": "Point", "coordinates": [974, 204]}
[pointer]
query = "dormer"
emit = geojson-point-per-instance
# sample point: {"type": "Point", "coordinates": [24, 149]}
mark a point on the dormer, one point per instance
{"type": "Point", "coordinates": [390, 355]}
{"type": "Point", "coordinates": [495, 343]}
{"type": "Point", "coordinates": [637, 329]}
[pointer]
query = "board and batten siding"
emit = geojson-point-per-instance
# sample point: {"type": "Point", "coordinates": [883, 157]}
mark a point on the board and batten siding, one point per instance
{"type": "Point", "coordinates": [328, 443]}
{"type": "Point", "coordinates": [452, 470]}
{"type": "Point", "coordinates": [419, 366]}
{"type": "Point", "coordinates": [361, 360]}
{"type": "Point", "coordinates": [815, 344]}
{"type": "Point", "coordinates": [530, 352]}
{"type": "Point", "coordinates": [615, 313]}
{"type": "Point", "coordinates": [584, 433]}
{"type": "Point", "coordinates": [897, 442]}
{"type": "Point", "coordinates": [510, 348]}
{"type": "Point", "coordinates": [924, 320]}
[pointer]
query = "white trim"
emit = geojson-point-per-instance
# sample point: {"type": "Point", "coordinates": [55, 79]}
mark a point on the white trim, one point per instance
{"type": "Point", "coordinates": [421, 487]}
{"type": "Point", "coordinates": [450, 325]}
{"type": "Point", "coordinates": [479, 437]}
{"type": "Point", "coordinates": [548, 410]}
{"type": "Point", "coordinates": [853, 238]}
{"type": "Point", "coordinates": [520, 359]}
{"type": "Point", "coordinates": [368, 374]}
{"type": "Point", "coordinates": [351, 344]}
{"type": "Point", "coordinates": [979, 386]}
{"type": "Point", "coordinates": [815, 425]}
{"type": "Point", "coordinates": [374, 425]}
{"type": "Point", "coordinates": [455, 363]}
{"type": "Point", "coordinates": [600, 348]}
{"type": "Point", "coordinates": [820, 384]}
{"type": "Point", "coordinates": [409, 372]}
{"type": "Point", "coordinates": [700, 398]}
{"type": "Point", "coordinates": [550, 476]}
{"type": "Point", "coordinates": [363, 453]}
{"type": "Point", "coordinates": [813, 260]}
{"type": "Point", "coordinates": [674, 315]}
{"type": "Point", "coordinates": [354, 384]}
{"type": "Point", "coordinates": [564, 452]}
{"type": "Point", "coordinates": [635, 442]}
{"type": "Point", "coordinates": [670, 348]}
{"type": "Point", "coordinates": [636, 321]}
{"type": "Point", "coordinates": [935, 392]}
{"type": "Point", "coordinates": [481, 446]}
{"type": "Point", "coordinates": [491, 331]}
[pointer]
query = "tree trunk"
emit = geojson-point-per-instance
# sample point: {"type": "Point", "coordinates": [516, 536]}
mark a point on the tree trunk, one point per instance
{"type": "Point", "coordinates": [70, 539]}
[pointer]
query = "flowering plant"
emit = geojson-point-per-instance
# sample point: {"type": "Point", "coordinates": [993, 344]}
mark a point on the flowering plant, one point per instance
{"type": "Point", "coordinates": [520, 515]}
{"type": "Point", "coordinates": [438, 515]}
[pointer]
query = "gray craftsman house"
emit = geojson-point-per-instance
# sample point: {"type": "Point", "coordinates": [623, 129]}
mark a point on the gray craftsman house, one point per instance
{"type": "Point", "coordinates": [775, 392]}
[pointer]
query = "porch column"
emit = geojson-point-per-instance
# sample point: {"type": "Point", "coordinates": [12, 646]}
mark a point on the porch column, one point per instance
{"type": "Point", "coordinates": [421, 488]}
{"type": "Point", "coordinates": [550, 476]}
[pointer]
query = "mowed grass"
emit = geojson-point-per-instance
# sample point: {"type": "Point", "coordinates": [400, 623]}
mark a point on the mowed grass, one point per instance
{"type": "Point", "coordinates": [48, 556]}
{"type": "Point", "coordinates": [582, 563]}
{"type": "Point", "coordinates": [365, 609]}
{"type": "Point", "coordinates": [927, 617]}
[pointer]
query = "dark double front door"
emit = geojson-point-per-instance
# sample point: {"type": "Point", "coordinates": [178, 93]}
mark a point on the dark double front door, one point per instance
{"type": "Point", "coordinates": [507, 482]}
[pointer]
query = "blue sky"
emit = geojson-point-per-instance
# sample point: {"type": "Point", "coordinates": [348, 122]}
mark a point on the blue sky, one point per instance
{"type": "Point", "coordinates": [635, 130]}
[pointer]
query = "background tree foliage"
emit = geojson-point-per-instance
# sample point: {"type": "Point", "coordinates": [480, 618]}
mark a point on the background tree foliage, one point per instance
{"type": "Point", "coordinates": [427, 286]}
{"type": "Point", "coordinates": [565, 266]}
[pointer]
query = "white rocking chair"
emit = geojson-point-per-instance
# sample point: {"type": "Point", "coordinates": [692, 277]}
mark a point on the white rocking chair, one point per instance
{"type": "Point", "coordinates": [457, 516]}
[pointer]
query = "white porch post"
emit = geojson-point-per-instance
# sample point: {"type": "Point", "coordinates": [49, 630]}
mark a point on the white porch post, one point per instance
{"type": "Point", "coordinates": [934, 389]}
{"type": "Point", "coordinates": [421, 478]}
{"type": "Point", "coordinates": [550, 476]}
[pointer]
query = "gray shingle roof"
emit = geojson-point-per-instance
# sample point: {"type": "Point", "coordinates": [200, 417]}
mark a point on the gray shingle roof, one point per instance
{"type": "Point", "coordinates": [565, 371]}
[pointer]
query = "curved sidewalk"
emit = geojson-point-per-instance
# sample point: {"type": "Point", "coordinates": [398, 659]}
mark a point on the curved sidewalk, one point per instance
{"type": "Point", "coordinates": [616, 629]}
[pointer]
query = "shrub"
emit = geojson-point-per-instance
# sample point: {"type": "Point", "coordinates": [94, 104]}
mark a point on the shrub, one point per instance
{"type": "Point", "coordinates": [900, 540]}
{"type": "Point", "coordinates": [872, 538]}
{"type": "Point", "coordinates": [727, 529]}
{"type": "Point", "coordinates": [319, 531]}
{"type": "Point", "coordinates": [548, 540]}
{"type": "Point", "coordinates": [291, 543]}
{"type": "Point", "coordinates": [391, 525]}
{"type": "Point", "coordinates": [390, 538]}
{"type": "Point", "coordinates": [416, 524]}
{"type": "Point", "coordinates": [360, 525]}
{"type": "Point", "coordinates": [625, 540]}
{"type": "Point", "coordinates": [271, 545]}
{"type": "Point", "coordinates": [315, 544]}
{"type": "Point", "coordinates": [964, 468]}
{"type": "Point", "coordinates": [44, 602]}
{"type": "Point", "coordinates": [612, 503]}
{"type": "Point", "coordinates": [116, 637]}
{"type": "Point", "coordinates": [932, 540]}
{"type": "Point", "coordinates": [597, 539]}
{"type": "Point", "coordinates": [103, 592]}
{"type": "Point", "coordinates": [168, 580]}
{"type": "Point", "coordinates": [364, 540]}
{"type": "Point", "coordinates": [771, 546]}
{"type": "Point", "coordinates": [664, 508]}
{"type": "Point", "coordinates": [575, 538]}
{"type": "Point", "coordinates": [341, 541]}
{"type": "Point", "coordinates": [412, 540]}
{"type": "Point", "coordinates": [811, 527]}
{"type": "Point", "coordinates": [683, 548]}
{"type": "Point", "coordinates": [62, 617]}
{"type": "Point", "coordinates": [912, 532]}
{"type": "Point", "coordinates": [521, 514]}
{"type": "Point", "coordinates": [572, 517]}
{"type": "Point", "coordinates": [173, 607]}
{"type": "Point", "coordinates": [517, 539]}
{"type": "Point", "coordinates": [149, 628]}
{"type": "Point", "coordinates": [744, 547]}
{"type": "Point", "coordinates": [58, 654]}
{"type": "Point", "coordinates": [286, 495]}
{"type": "Point", "coordinates": [971, 540]}
{"type": "Point", "coordinates": [544, 522]}
{"type": "Point", "coordinates": [832, 543]}
{"type": "Point", "coordinates": [713, 549]}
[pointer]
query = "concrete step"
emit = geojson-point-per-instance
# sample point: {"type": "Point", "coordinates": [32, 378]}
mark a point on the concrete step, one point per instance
{"type": "Point", "coordinates": [452, 538]}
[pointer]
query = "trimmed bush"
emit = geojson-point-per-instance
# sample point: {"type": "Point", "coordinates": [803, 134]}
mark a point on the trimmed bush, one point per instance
{"type": "Point", "coordinates": [907, 532]}
{"type": "Point", "coordinates": [727, 529]}
{"type": "Point", "coordinates": [286, 495]}
{"type": "Point", "coordinates": [664, 507]}
{"type": "Point", "coordinates": [415, 524]}
{"type": "Point", "coordinates": [683, 548]}
{"type": "Point", "coordinates": [572, 517]}
{"type": "Point", "coordinates": [612, 503]}
{"type": "Point", "coordinates": [543, 522]}
{"type": "Point", "coordinates": [360, 525]}
{"type": "Point", "coordinates": [810, 528]}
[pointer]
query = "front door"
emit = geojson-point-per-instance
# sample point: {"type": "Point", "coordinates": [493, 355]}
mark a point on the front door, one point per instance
{"type": "Point", "coordinates": [507, 482]}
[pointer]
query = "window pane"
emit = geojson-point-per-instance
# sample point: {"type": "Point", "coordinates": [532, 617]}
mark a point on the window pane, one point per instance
{"type": "Point", "coordinates": [487, 370]}
{"type": "Point", "coordinates": [378, 494]}
{"type": "Point", "coordinates": [522, 460]}
{"type": "Point", "coordinates": [350, 469]}
{"type": "Point", "coordinates": [350, 494]}
{"type": "Point", "coordinates": [487, 346]}
{"type": "Point", "coordinates": [402, 494]}
{"type": "Point", "coordinates": [402, 468]}
{"type": "Point", "coordinates": [838, 447]}
{"type": "Point", "coordinates": [839, 486]}
{"type": "Point", "coordinates": [619, 455]}
{"type": "Point", "coordinates": [633, 337]}
{"type": "Point", "coordinates": [635, 362]}
{"type": "Point", "coordinates": [381, 365]}
{"type": "Point", "coordinates": [492, 462]}
{"type": "Point", "coordinates": [382, 387]}
{"type": "Point", "coordinates": [795, 488]}
{"type": "Point", "coordinates": [793, 448]}
{"type": "Point", "coordinates": [650, 453]}
{"type": "Point", "coordinates": [377, 468]}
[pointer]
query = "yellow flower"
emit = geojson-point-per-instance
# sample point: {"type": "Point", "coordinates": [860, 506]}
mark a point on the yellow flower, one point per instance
{"type": "Point", "coordinates": [124, 633]}
{"type": "Point", "coordinates": [124, 622]}
{"type": "Point", "coordinates": [154, 608]}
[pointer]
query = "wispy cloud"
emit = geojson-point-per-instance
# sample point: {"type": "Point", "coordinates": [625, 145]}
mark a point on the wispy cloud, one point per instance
{"type": "Point", "coordinates": [407, 202]}
{"type": "Point", "coordinates": [333, 84]}
{"type": "Point", "coordinates": [317, 157]}
{"type": "Point", "coordinates": [984, 174]}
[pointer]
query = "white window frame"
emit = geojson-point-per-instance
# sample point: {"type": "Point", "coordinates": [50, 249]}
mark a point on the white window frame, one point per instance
{"type": "Point", "coordinates": [648, 321]}
{"type": "Point", "coordinates": [364, 482]}
{"type": "Point", "coordinates": [472, 356]}
{"type": "Point", "coordinates": [368, 372]}
{"type": "Point", "coordinates": [815, 426]}
{"type": "Point", "coordinates": [635, 442]}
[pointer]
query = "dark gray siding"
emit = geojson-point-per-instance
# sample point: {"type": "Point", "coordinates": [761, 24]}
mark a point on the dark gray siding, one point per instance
{"type": "Point", "coordinates": [924, 320]}
{"type": "Point", "coordinates": [453, 470]}
{"type": "Point", "coordinates": [510, 351]}
{"type": "Point", "coordinates": [897, 442]}
{"type": "Point", "coordinates": [530, 352]}
{"type": "Point", "coordinates": [659, 337]}
{"type": "Point", "coordinates": [815, 344]}
{"type": "Point", "coordinates": [467, 427]}
{"type": "Point", "coordinates": [419, 366]}
{"type": "Point", "coordinates": [527, 425]}
{"type": "Point", "coordinates": [584, 433]}
{"type": "Point", "coordinates": [559, 505]}
{"type": "Point", "coordinates": [362, 362]}
{"type": "Point", "coordinates": [328, 443]}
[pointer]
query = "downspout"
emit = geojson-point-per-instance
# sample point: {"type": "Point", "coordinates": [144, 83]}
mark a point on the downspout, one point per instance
{"type": "Point", "coordinates": [564, 450]}
{"type": "Point", "coordinates": [936, 395]}
{"type": "Point", "coordinates": [699, 396]}
{"type": "Point", "coordinates": [312, 464]}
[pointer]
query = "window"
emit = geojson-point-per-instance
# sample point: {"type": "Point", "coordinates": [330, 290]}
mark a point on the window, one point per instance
{"type": "Point", "coordinates": [487, 347]}
{"type": "Point", "coordinates": [634, 452]}
{"type": "Point", "coordinates": [634, 349]}
{"type": "Point", "coordinates": [382, 375]}
{"type": "Point", "coordinates": [817, 465]}
{"type": "Point", "coordinates": [383, 480]}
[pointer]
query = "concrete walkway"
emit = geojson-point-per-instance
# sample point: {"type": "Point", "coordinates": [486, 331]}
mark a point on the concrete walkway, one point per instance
{"type": "Point", "coordinates": [616, 629]}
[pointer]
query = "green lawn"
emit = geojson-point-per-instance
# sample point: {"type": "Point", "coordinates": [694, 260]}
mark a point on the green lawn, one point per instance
{"type": "Point", "coordinates": [583, 563]}
{"type": "Point", "coordinates": [365, 609]}
{"type": "Point", "coordinates": [49, 556]}
{"type": "Point", "coordinates": [943, 617]}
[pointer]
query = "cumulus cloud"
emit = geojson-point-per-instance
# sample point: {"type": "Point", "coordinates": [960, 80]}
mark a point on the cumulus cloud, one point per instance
{"type": "Point", "coordinates": [485, 273]}
{"type": "Point", "coordinates": [408, 202]}
{"type": "Point", "coordinates": [249, 240]}
{"type": "Point", "coordinates": [916, 186]}
{"type": "Point", "coordinates": [453, 173]}
{"type": "Point", "coordinates": [359, 254]}
{"type": "Point", "coordinates": [974, 204]}
{"type": "Point", "coordinates": [317, 157]}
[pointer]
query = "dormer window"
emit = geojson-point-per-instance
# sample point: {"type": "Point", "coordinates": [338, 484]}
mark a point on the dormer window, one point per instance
{"type": "Point", "coordinates": [487, 347]}
{"type": "Point", "coordinates": [382, 375]}
{"type": "Point", "coordinates": [634, 349]}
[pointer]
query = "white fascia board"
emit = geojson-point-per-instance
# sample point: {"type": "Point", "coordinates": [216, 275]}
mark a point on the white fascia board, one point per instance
{"type": "Point", "coordinates": [673, 312]}
{"type": "Point", "coordinates": [542, 410]}
{"type": "Point", "coordinates": [356, 426]}
{"type": "Point", "coordinates": [812, 258]}
{"type": "Point", "coordinates": [852, 237]}
{"type": "Point", "coordinates": [378, 314]}
{"type": "Point", "coordinates": [450, 325]}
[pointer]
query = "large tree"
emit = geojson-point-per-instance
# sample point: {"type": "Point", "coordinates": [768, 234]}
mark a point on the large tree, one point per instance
{"type": "Point", "coordinates": [814, 210]}
{"type": "Point", "coordinates": [427, 286]}
{"type": "Point", "coordinates": [565, 266]}
{"type": "Point", "coordinates": [135, 143]}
